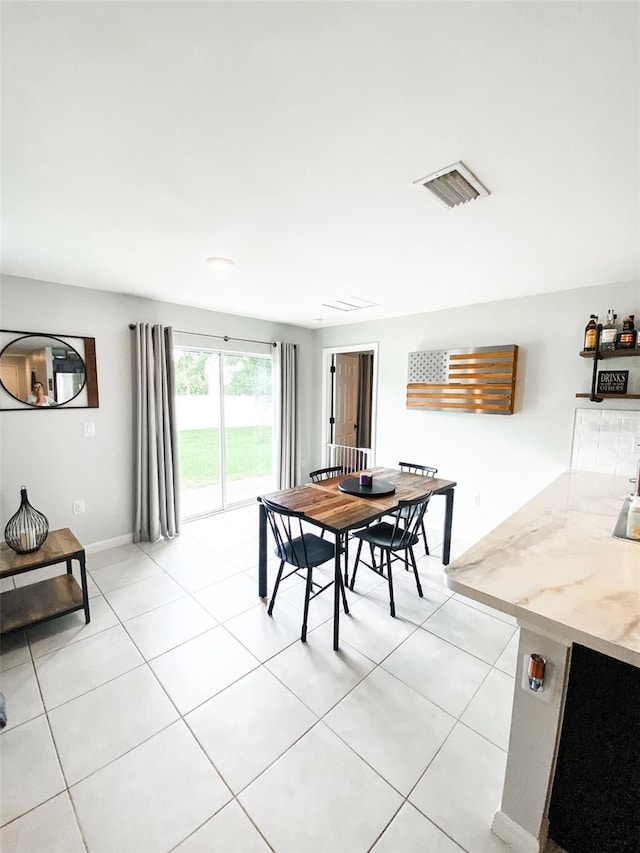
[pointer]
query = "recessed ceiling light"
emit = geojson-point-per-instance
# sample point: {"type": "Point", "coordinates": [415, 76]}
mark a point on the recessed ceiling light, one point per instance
{"type": "Point", "coordinates": [221, 263]}
{"type": "Point", "coordinates": [317, 320]}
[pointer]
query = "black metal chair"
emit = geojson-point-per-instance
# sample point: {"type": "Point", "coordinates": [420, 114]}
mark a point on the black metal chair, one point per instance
{"type": "Point", "coordinates": [425, 471]}
{"type": "Point", "coordinates": [321, 474]}
{"type": "Point", "coordinates": [395, 541]}
{"type": "Point", "coordinates": [318, 476]}
{"type": "Point", "coordinates": [304, 552]}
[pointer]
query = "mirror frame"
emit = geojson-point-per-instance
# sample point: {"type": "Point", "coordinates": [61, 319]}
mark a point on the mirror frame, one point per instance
{"type": "Point", "coordinates": [9, 403]}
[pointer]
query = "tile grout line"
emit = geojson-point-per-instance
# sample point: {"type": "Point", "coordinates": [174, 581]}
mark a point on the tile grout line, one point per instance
{"type": "Point", "coordinates": [182, 717]}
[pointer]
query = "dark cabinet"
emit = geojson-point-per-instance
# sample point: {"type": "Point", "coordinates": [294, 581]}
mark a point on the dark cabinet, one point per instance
{"type": "Point", "coordinates": [595, 799]}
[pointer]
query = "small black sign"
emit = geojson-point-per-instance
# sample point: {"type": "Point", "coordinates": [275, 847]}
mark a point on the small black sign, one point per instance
{"type": "Point", "coordinates": [613, 381]}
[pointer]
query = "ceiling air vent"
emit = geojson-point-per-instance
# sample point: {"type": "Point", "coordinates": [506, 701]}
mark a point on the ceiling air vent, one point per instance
{"type": "Point", "coordinates": [454, 185]}
{"type": "Point", "coordinates": [350, 303]}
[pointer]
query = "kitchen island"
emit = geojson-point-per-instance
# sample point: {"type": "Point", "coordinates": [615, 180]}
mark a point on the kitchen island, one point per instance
{"type": "Point", "coordinates": [572, 587]}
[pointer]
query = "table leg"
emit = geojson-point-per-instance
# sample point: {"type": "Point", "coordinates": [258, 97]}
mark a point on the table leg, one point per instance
{"type": "Point", "coordinates": [448, 518]}
{"type": "Point", "coordinates": [83, 580]}
{"type": "Point", "coordinates": [69, 567]}
{"type": "Point", "coordinates": [346, 559]}
{"type": "Point", "coordinates": [337, 577]}
{"type": "Point", "coordinates": [262, 552]}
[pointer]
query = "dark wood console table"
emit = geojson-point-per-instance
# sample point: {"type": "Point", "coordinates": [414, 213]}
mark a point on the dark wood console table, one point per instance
{"type": "Point", "coordinates": [43, 600]}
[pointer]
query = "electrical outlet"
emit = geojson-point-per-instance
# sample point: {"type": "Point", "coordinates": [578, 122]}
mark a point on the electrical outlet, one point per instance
{"type": "Point", "coordinates": [476, 500]}
{"type": "Point", "coordinates": [77, 507]}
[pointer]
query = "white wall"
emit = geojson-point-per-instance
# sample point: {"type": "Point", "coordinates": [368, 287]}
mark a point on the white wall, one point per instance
{"type": "Point", "coordinates": [607, 440]}
{"type": "Point", "coordinates": [503, 459]}
{"type": "Point", "coordinates": [47, 450]}
{"type": "Point", "coordinates": [532, 740]}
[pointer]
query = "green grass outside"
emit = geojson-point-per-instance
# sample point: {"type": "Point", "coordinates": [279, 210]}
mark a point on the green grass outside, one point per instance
{"type": "Point", "coordinates": [248, 454]}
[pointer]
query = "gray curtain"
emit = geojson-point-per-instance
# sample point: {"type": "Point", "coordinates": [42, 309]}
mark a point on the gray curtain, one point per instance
{"type": "Point", "coordinates": [365, 393]}
{"type": "Point", "coordinates": [156, 447]}
{"type": "Point", "coordinates": [286, 376]}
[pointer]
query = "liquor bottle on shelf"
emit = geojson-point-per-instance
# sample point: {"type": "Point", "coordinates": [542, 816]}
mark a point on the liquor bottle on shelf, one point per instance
{"type": "Point", "coordinates": [591, 333]}
{"type": "Point", "coordinates": [609, 332]}
{"type": "Point", "coordinates": [628, 336]}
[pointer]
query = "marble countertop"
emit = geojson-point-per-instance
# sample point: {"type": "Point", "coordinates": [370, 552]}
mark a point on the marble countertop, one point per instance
{"type": "Point", "coordinates": [555, 566]}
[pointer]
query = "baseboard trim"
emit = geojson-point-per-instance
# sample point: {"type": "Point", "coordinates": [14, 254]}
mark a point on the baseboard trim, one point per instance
{"type": "Point", "coordinates": [125, 539]}
{"type": "Point", "coordinates": [514, 835]}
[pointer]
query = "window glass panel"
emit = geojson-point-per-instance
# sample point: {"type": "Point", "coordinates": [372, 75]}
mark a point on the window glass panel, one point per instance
{"type": "Point", "coordinates": [225, 439]}
{"type": "Point", "coordinates": [198, 419]}
{"type": "Point", "coordinates": [248, 418]}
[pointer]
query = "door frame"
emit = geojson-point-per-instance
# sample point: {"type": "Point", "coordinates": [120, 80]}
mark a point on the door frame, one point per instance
{"type": "Point", "coordinates": [327, 354]}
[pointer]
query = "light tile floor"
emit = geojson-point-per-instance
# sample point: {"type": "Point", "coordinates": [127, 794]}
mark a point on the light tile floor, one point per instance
{"type": "Point", "coordinates": [183, 718]}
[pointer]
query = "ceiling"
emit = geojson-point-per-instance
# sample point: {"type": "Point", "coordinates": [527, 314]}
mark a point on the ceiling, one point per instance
{"type": "Point", "coordinates": [140, 139]}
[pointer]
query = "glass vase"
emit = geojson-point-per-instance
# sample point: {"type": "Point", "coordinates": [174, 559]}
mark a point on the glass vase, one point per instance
{"type": "Point", "coordinates": [27, 530]}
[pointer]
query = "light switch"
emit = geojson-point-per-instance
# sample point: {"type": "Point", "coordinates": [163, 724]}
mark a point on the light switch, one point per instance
{"type": "Point", "coordinates": [89, 430]}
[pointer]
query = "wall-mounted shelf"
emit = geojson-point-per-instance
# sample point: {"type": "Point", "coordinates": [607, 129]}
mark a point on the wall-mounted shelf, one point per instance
{"type": "Point", "coordinates": [613, 396]}
{"type": "Point", "coordinates": [597, 355]}
{"type": "Point", "coordinates": [612, 353]}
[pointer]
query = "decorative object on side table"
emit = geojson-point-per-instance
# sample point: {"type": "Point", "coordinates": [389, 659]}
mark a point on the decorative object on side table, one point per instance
{"type": "Point", "coordinates": [27, 530]}
{"type": "Point", "coordinates": [377, 488]}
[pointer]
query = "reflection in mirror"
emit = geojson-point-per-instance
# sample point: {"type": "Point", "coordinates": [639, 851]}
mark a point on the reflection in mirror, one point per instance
{"type": "Point", "coordinates": [41, 370]}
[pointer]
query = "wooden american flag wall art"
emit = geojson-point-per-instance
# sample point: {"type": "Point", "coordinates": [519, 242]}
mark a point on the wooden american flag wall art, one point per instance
{"type": "Point", "coordinates": [480, 380]}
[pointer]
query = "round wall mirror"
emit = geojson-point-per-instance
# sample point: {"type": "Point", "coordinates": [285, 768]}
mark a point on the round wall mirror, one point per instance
{"type": "Point", "coordinates": [41, 371]}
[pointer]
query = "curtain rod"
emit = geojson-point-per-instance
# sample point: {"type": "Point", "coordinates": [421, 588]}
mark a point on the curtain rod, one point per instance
{"type": "Point", "coordinates": [225, 338]}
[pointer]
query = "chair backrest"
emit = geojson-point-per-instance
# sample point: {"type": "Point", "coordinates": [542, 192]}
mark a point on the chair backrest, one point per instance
{"type": "Point", "coordinates": [408, 520]}
{"type": "Point", "coordinates": [412, 468]}
{"type": "Point", "coordinates": [286, 526]}
{"type": "Point", "coordinates": [326, 473]}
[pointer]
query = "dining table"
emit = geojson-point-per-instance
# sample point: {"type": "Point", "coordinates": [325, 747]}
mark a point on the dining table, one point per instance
{"type": "Point", "coordinates": [340, 510]}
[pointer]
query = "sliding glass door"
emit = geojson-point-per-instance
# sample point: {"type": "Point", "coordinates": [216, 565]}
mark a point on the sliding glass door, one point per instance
{"type": "Point", "coordinates": [248, 426]}
{"type": "Point", "coordinates": [225, 426]}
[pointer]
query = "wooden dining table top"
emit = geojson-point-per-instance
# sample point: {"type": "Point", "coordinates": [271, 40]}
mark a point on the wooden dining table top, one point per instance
{"type": "Point", "coordinates": [325, 505]}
